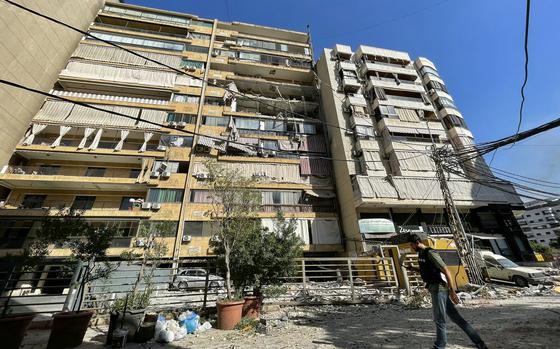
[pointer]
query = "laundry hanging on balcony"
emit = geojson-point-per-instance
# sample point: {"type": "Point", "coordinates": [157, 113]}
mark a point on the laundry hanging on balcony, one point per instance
{"type": "Point", "coordinates": [144, 175]}
{"type": "Point", "coordinates": [315, 167]}
{"type": "Point", "coordinates": [35, 130]}
{"type": "Point", "coordinates": [213, 143]}
{"type": "Point", "coordinates": [230, 96]}
{"type": "Point", "coordinates": [147, 137]}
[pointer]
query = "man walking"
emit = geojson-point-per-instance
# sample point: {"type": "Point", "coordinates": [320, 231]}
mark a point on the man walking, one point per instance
{"type": "Point", "coordinates": [443, 294]}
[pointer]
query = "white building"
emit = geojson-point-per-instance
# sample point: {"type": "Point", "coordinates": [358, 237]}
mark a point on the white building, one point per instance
{"type": "Point", "coordinates": [541, 221]}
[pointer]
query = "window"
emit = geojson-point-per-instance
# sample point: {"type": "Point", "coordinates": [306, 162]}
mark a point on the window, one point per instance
{"type": "Point", "coordinates": [436, 85]}
{"type": "Point", "coordinates": [180, 117]}
{"type": "Point", "coordinates": [49, 169]}
{"type": "Point", "coordinates": [451, 121]}
{"type": "Point", "coordinates": [364, 131]}
{"type": "Point", "coordinates": [224, 53]}
{"type": "Point", "coordinates": [13, 233]}
{"type": "Point", "coordinates": [166, 166]}
{"type": "Point", "coordinates": [199, 229]}
{"type": "Point", "coordinates": [268, 145]}
{"type": "Point", "coordinates": [187, 63]}
{"type": "Point", "coordinates": [247, 123]}
{"type": "Point", "coordinates": [428, 70]}
{"type": "Point", "coordinates": [33, 201]}
{"type": "Point", "coordinates": [197, 49]}
{"type": "Point", "coordinates": [83, 203]}
{"type": "Point", "coordinates": [159, 228]}
{"type": "Point", "coordinates": [388, 110]}
{"type": "Point", "coordinates": [148, 15]}
{"type": "Point", "coordinates": [308, 129]}
{"type": "Point", "coordinates": [128, 202]}
{"type": "Point", "coordinates": [95, 171]}
{"type": "Point", "coordinates": [215, 121]}
{"type": "Point", "coordinates": [131, 40]}
{"type": "Point", "coordinates": [267, 45]}
{"type": "Point", "coordinates": [245, 56]}
{"type": "Point", "coordinates": [199, 36]}
{"type": "Point", "coordinates": [134, 173]}
{"type": "Point", "coordinates": [275, 125]}
{"type": "Point", "coordinates": [176, 141]}
{"type": "Point", "coordinates": [202, 24]}
{"type": "Point", "coordinates": [165, 195]}
{"type": "Point", "coordinates": [214, 101]}
{"type": "Point", "coordinates": [537, 214]}
{"type": "Point", "coordinates": [444, 102]}
{"type": "Point", "coordinates": [177, 97]}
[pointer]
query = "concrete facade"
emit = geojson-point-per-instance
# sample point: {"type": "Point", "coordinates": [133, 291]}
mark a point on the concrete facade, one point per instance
{"type": "Point", "coordinates": [130, 173]}
{"type": "Point", "coordinates": [385, 113]}
{"type": "Point", "coordinates": [32, 52]}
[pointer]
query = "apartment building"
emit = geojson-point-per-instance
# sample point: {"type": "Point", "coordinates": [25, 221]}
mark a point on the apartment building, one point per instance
{"type": "Point", "coordinates": [385, 113]}
{"type": "Point", "coordinates": [133, 173]}
{"type": "Point", "coordinates": [32, 52]}
{"type": "Point", "coordinates": [541, 221]}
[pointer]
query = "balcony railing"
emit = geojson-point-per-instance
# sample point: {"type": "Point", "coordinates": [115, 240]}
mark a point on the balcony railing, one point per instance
{"type": "Point", "coordinates": [298, 208]}
{"type": "Point", "coordinates": [71, 171]}
{"type": "Point", "coordinates": [147, 31]}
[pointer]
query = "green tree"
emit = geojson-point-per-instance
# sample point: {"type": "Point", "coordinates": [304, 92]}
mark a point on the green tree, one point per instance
{"type": "Point", "coordinates": [264, 257]}
{"type": "Point", "coordinates": [234, 205]}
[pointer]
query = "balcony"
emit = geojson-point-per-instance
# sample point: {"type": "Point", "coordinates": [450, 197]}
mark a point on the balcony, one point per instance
{"type": "Point", "coordinates": [391, 83]}
{"type": "Point", "coordinates": [147, 16]}
{"type": "Point", "coordinates": [271, 67]}
{"type": "Point", "coordinates": [68, 177]}
{"type": "Point", "coordinates": [369, 68]}
{"type": "Point", "coordinates": [350, 84]}
{"type": "Point", "coordinates": [100, 209]}
{"type": "Point", "coordinates": [125, 100]}
{"type": "Point", "coordinates": [404, 102]}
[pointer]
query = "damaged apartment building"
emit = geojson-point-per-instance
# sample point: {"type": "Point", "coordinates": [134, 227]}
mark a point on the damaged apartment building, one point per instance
{"type": "Point", "coordinates": [385, 113]}
{"type": "Point", "coordinates": [248, 100]}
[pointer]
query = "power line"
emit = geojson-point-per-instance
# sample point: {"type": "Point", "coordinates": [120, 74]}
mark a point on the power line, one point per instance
{"type": "Point", "coordinates": [311, 156]}
{"type": "Point", "coordinates": [526, 67]}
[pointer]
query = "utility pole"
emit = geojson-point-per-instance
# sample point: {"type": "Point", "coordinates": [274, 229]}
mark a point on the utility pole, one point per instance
{"type": "Point", "coordinates": [459, 235]}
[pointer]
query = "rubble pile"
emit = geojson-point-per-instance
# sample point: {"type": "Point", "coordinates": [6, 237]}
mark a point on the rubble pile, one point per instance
{"type": "Point", "coordinates": [494, 291]}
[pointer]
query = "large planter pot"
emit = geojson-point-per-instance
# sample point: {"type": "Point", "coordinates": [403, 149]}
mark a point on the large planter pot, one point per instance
{"type": "Point", "coordinates": [132, 321]}
{"type": "Point", "coordinates": [229, 314]}
{"type": "Point", "coordinates": [252, 307]}
{"type": "Point", "coordinates": [12, 329]}
{"type": "Point", "coordinates": [68, 329]}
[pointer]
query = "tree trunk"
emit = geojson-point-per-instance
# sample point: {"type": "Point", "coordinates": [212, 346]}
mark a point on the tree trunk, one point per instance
{"type": "Point", "coordinates": [228, 276]}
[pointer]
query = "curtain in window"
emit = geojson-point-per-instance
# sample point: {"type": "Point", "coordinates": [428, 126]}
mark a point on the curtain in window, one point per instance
{"type": "Point", "coordinates": [325, 231]}
{"type": "Point", "coordinates": [124, 134]}
{"type": "Point", "coordinates": [35, 130]}
{"type": "Point", "coordinates": [289, 145]}
{"type": "Point", "coordinates": [165, 195]}
{"type": "Point", "coordinates": [201, 196]}
{"type": "Point", "coordinates": [314, 143]}
{"type": "Point", "coordinates": [63, 131]}
{"type": "Point", "coordinates": [95, 143]}
{"type": "Point", "coordinates": [147, 137]}
{"type": "Point", "coordinates": [87, 133]}
{"type": "Point", "coordinates": [247, 124]}
{"type": "Point", "coordinates": [144, 175]}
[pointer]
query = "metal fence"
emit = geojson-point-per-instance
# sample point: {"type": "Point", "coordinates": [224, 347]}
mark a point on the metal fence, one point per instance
{"type": "Point", "coordinates": [49, 288]}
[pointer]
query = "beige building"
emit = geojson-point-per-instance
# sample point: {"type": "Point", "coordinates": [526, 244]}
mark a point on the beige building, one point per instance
{"type": "Point", "coordinates": [130, 173]}
{"type": "Point", "coordinates": [385, 113]}
{"type": "Point", "coordinates": [32, 52]}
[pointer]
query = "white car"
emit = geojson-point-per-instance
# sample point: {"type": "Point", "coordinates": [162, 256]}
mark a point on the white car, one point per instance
{"type": "Point", "coordinates": [196, 279]}
{"type": "Point", "coordinates": [500, 268]}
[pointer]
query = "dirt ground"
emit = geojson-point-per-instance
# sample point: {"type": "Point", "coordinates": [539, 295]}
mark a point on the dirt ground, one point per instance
{"type": "Point", "coordinates": [526, 322]}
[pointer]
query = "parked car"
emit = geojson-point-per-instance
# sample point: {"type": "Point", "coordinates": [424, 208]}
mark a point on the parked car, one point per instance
{"type": "Point", "coordinates": [500, 268]}
{"type": "Point", "coordinates": [196, 279]}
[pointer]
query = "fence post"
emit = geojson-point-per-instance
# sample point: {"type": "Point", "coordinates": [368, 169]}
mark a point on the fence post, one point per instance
{"type": "Point", "coordinates": [351, 279]}
{"type": "Point", "coordinates": [303, 276]}
{"type": "Point", "coordinates": [206, 284]}
{"type": "Point", "coordinates": [72, 290]}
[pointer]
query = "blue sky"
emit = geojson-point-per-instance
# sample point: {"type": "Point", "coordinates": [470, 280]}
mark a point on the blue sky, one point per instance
{"type": "Point", "coordinates": [477, 46]}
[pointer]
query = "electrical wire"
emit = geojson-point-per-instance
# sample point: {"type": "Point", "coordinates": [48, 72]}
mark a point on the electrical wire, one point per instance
{"type": "Point", "coordinates": [311, 156]}
{"type": "Point", "coordinates": [526, 67]}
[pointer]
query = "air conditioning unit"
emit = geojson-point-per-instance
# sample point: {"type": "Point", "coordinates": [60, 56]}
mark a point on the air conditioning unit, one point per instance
{"type": "Point", "coordinates": [173, 124]}
{"type": "Point", "coordinates": [139, 243]}
{"type": "Point", "coordinates": [182, 124]}
{"type": "Point", "coordinates": [214, 53]}
{"type": "Point", "coordinates": [162, 147]}
{"type": "Point", "coordinates": [156, 206]}
{"type": "Point", "coordinates": [349, 132]}
{"type": "Point", "coordinates": [272, 153]}
{"type": "Point", "coordinates": [166, 174]}
{"type": "Point", "coordinates": [154, 174]}
{"type": "Point", "coordinates": [356, 153]}
{"type": "Point", "coordinates": [146, 205]}
{"type": "Point", "coordinates": [187, 238]}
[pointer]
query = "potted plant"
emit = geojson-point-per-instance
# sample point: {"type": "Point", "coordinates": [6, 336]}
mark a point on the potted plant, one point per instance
{"type": "Point", "coordinates": [234, 203]}
{"type": "Point", "coordinates": [264, 258]}
{"type": "Point", "coordinates": [150, 248]}
{"type": "Point", "coordinates": [88, 245]}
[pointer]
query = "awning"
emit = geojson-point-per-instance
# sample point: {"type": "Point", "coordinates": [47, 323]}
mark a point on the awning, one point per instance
{"type": "Point", "coordinates": [244, 148]}
{"type": "Point", "coordinates": [212, 143]}
{"type": "Point", "coordinates": [376, 226]}
{"type": "Point", "coordinates": [321, 193]}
